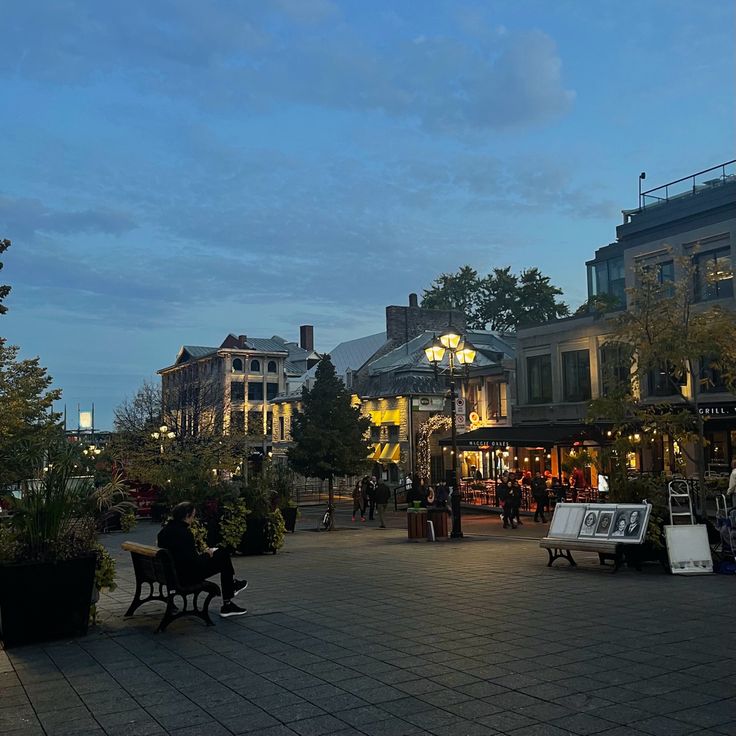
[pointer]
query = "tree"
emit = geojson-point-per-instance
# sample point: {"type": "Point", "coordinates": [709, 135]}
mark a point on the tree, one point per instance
{"type": "Point", "coordinates": [499, 301]}
{"type": "Point", "coordinates": [27, 420]}
{"type": "Point", "coordinates": [330, 435]}
{"type": "Point", "coordinates": [673, 349]}
{"type": "Point", "coordinates": [142, 412]}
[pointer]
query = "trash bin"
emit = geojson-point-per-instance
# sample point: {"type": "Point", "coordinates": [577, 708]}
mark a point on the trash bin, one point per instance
{"type": "Point", "coordinates": [439, 519]}
{"type": "Point", "coordinates": [416, 523]}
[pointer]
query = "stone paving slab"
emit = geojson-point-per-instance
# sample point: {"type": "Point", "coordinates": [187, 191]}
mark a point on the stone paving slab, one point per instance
{"type": "Point", "coordinates": [361, 632]}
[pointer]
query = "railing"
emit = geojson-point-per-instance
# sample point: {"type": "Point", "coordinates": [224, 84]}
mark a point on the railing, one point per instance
{"type": "Point", "coordinates": [665, 193]}
{"type": "Point", "coordinates": [314, 491]}
{"type": "Point", "coordinates": [483, 493]}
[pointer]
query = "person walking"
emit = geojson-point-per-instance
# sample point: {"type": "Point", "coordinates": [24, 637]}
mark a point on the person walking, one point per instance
{"type": "Point", "coordinates": [370, 491]}
{"type": "Point", "coordinates": [382, 495]}
{"type": "Point", "coordinates": [359, 500]}
{"type": "Point", "coordinates": [193, 567]}
{"type": "Point", "coordinates": [502, 494]}
{"type": "Point", "coordinates": [515, 495]}
{"type": "Point", "coordinates": [539, 494]}
{"type": "Point", "coordinates": [558, 490]}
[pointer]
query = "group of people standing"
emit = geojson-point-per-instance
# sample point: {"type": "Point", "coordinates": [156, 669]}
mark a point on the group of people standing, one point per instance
{"type": "Point", "coordinates": [508, 495]}
{"type": "Point", "coordinates": [370, 496]}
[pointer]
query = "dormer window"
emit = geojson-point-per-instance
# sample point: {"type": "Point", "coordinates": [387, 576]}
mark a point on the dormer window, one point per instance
{"type": "Point", "coordinates": [255, 366]}
{"type": "Point", "coordinates": [237, 365]}
{"type": "Point", "coordinates": [272, 366]}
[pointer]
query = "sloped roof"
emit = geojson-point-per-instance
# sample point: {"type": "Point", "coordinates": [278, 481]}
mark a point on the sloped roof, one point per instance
{"type": "Point", "coordinates": [193, 351]}
{"type": "Point", "coordinates": [352, 354]}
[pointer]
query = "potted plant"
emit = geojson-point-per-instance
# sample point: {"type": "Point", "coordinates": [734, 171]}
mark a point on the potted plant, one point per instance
{"type": "Point", "coordinates": [48, 549]}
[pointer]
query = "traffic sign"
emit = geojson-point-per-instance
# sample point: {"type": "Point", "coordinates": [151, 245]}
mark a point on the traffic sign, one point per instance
{"type": "Point", "coordinates": [460, 406]}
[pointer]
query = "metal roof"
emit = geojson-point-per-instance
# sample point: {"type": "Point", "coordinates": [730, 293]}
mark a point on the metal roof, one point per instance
{"type": "Point", "coordinates": [352, 354]}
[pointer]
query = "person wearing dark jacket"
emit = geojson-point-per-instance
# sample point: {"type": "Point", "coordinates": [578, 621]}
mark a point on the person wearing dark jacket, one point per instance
{"type": "Point", "coordinates": [192, 566]}
{"type": "Point", "coordinates": [512, 504]}
{"type": "Point", "coordinates": [539, 493]}
{"type": "Point", "coordinates": [382, 496]}
{"type": "Point", "coordinates": [370, 494]}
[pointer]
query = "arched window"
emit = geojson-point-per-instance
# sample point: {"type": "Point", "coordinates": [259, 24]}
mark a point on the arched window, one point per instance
{"type": "Point", "coordinates": [272, 366]}
{"type": "Point", "coordinates": [255, 366]}
{"type": "Point", "coordinates": [237, 365]}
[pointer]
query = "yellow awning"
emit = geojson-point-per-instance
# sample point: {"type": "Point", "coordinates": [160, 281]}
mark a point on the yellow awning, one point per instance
{"type": "Point", "coordinates": [375, 418]}
{"type": "Point", "coordinates": [375, 453]}
{"type": "Point", "coordinates": [390, 416]}
{"type": "Point", "coordinates": [391, 453]}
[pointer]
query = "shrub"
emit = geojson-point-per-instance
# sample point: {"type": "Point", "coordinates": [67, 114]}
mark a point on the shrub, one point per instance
{"type": "Point", "coordinates": [233, 523]}
{"type": "Point", "coordinates": [128, 522]}
{"type": "Point", "coordinates": [275, 531]}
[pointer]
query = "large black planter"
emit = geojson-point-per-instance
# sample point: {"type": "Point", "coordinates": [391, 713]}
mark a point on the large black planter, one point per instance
{"type": "Point", "coordinates": [45, 600]}
{"type": "Point", "coordinates": [289, 513]}
{"type": "Point", "coordinates": [255, 541]}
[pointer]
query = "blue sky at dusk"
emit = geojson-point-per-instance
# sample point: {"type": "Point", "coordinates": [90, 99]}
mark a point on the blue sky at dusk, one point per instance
{"type": "Point", "coordinates": [174, 170]}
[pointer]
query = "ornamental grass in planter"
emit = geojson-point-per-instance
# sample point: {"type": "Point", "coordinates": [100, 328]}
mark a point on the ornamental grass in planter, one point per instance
{"type": "Point", "coordinates": [48, 551]}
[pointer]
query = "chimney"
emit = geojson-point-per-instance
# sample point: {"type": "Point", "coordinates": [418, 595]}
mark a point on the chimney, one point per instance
{"type": "Point", "coordinates": [413, 301]}
{"type": "Point", "coordinates": [306, 337]}
{"type": "Point", "coordinates": [242, 339]}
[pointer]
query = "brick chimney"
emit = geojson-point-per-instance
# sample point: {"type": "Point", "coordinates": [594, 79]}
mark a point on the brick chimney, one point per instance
{"type": "Point", "coordinates": [306, 338]}
{"type": "Point", "coordinates": [413, 301]}
{"type": "Point", "coordinates": [242, 339]}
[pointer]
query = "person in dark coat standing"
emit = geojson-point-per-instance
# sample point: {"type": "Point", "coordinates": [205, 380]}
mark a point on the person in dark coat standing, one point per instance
{"type": "Point", "coordinates": [370, 493]}
{"type": "Point", "coordinates": [502, 493]}
{"type": "Point", "coordinates": [382, 496]}
{"type": "Point", "coordinates": [191, 566]}
{"type": "Point", "coordinates": [539, 493]}
{"type": "Point", "coordinates": [359, 500]}
{"type": "Point", "coordinates": [515, 497]}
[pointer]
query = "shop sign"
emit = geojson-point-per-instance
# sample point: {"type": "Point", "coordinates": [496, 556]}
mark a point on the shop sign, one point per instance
{"type": "Point", "coordinates": [486, 444]}
{"type": "Point", "coordinates": [717, 410]}
{"type": "Point", "coordinates": [429, 403]}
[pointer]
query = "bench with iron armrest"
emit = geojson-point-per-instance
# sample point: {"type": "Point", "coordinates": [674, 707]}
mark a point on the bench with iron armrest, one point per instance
{"type": "Point", "coordinates": [154, 566]}
{"type": "Point", "coordinates": [557, 548]}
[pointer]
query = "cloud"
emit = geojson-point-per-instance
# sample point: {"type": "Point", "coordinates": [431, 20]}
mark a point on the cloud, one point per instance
{"type": "Point", "coordinates": [255, 58]}
{"type": "Point", "coordinates": [22, 217]}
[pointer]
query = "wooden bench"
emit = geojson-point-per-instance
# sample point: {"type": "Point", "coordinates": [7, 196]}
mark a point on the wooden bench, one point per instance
{"type": "Point", "coordinates": [557, 547]}
{"type": "Point", "coordinates": [154, 567]}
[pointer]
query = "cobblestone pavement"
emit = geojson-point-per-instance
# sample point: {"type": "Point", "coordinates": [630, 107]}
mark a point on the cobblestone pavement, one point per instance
{"type": "Point", "coordinates": [361, 632]}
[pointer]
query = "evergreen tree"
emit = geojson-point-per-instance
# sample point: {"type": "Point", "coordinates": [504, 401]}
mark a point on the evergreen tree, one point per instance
{"type": "Point", "coordinates": [329, 434]}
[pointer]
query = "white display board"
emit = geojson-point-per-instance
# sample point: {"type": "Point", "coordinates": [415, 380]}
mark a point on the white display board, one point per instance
{"type": "Point", "coordinates": [688, 549]}
{"type": "Point", "coordinates": [625, 523]}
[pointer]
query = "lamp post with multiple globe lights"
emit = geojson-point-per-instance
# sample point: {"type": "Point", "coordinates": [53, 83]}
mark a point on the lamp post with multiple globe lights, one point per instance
{"type": "Point", "coordinates": [460, 353]}
{"type": "Point", "coordinates": [162, 436]}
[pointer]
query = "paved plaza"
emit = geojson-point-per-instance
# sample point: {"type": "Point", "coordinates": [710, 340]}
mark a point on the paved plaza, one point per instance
{"type": "Point", "coordinates": [362, 632]}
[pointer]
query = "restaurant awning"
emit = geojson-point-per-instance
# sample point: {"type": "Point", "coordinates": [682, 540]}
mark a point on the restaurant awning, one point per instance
{"type": "Point", "coordinates": [375, 453]}
{"type": "Point", "coordinates": [538, 435]}
{"type": "Point", "coordinates": [390, 454]}
{"type": "Point", "coordinates": [390, 416]}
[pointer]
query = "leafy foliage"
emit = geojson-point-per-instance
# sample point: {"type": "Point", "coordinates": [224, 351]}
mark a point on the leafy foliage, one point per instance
{"type": "Point", "coordinates": [275, 531]}
{"type": "Point", "coordinates": [4, 289]}
{"type": "Point", "coordinates": [426, 429]}
{"type": "Point", "coordinates": [105, 569]}
{"type": "Point", "coordinates": [233, 523]}
{"type": "Point", "coordinates": [329, 434]}
{"type": "Point", "coordinates": [500, 300]}
{"type": "Point", "coordinates": [128, 522]}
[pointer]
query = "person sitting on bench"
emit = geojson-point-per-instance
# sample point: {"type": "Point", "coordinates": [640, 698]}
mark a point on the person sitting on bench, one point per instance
{"type": "Point", "coordinates": [192, 567]}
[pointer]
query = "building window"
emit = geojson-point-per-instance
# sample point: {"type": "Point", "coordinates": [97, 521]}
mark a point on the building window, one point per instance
{"type": "Point", "coordinates": [393, 433]}
{"type": "Point", "coordinates": [255, 366]}
{"type": "Point", "coordinates": [255, 422]}
{"type": "Point", "coordinates": [497, 403]}
{"type": "Point", "coordinates": [237, 365]}
{"type": "Point", "coordinates": [576, 375]}
{"type": "Point", "coordinates": [237, 421]}
{"type": "Point", "coordinates": [539, 379]}
{"type": "Point", "coordinates": [282, 432]}
{"type": "Point", "coordinates": [608, 277]}
{"type": "Point", "coordinates": [711, 380]}
{"type": "Point", "coordinates": [666, 272]}
{"type": "Point", "coordinates": [272, 390]}
{"type": "Point", "coordinates": [237, 391]}
{"type": "Point", "coordinates": [664, 381]}
{"type": "Point", "coordinates": [271, 366]}
{"type": "Point", "coordinates": [375, 433]}
{"type": "Point", "coordinates": [713, 275]}
{"type": "Point", "coordinates": [615, 363]}
{"type": "Point", "coordinates": [255, 391]}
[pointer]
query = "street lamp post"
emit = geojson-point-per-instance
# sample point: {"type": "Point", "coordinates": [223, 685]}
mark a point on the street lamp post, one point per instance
{"type": "Point", "coordinates": [459, 352]}
{"type": "Point", "coordinates": [163, 434]}
{"type": "Point", "coordinates": [91, 452]}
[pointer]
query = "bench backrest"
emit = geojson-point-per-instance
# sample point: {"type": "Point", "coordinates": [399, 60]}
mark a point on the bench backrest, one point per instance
{"type": "Point", "coordinates": [152, 564]}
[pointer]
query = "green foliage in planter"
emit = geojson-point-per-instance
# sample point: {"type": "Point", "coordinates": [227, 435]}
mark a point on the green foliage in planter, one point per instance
{"type": "Point", "coordinates": [275, 531]}
{"type": "Point", "coordinates": [128, 522]}
{"type": "Point", "coordinates": [199, 532]}
{"type": "Point", "coordinates": [233, 522]}
{"type": "Point", "coordinates": [105, 569]}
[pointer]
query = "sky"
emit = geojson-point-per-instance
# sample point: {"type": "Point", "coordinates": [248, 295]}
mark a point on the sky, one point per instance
{"type": "Point", "coordinates": [176, 170]}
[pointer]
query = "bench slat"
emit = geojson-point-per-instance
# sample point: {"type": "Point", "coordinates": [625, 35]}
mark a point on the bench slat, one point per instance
{"type": "Point", "coordinates": [576, 544]}
{"type": "Point", "coordinates": [140, 549]}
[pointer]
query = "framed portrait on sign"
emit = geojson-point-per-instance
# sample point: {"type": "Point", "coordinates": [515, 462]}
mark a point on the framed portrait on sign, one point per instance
{"type": "Point", "coordinates": [603, 527]}
{"type": "Point", "coordinates": [587, 528]}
